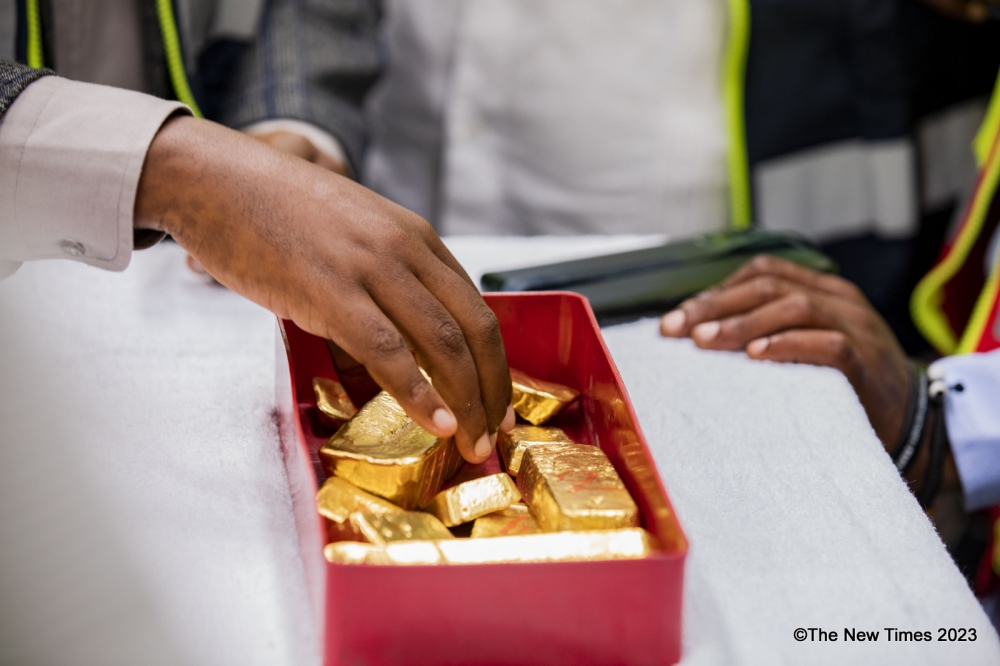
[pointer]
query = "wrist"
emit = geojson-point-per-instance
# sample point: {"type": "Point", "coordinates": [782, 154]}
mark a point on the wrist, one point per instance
{"type": "Point", "coordinates": [167, 176]}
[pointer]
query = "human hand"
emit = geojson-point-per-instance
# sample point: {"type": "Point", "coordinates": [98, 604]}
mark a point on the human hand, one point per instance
{"type": "Point", "coordinates": [298, 145]}
{"type": "Point", "coordinates": [293, 144]}
{"type": "Point", "coordinates": [342, 263]}
{"type": "Point", "coordinates": [779, 311]}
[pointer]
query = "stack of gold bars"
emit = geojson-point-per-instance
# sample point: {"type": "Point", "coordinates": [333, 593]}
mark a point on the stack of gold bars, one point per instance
{"type": "Point", "coordinates": [395, 489]}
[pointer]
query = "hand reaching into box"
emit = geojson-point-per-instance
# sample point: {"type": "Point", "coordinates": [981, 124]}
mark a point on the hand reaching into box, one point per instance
{"type": "Point", "coordinates": [342, 263]}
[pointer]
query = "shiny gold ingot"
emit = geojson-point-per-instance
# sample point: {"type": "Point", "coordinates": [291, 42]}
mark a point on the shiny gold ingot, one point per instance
{"type": "Point", "coordinates": [513, 444]}
{"type": "Point", "coordinates": [383, 451]}
{"type": "Point", "coordinates": [338, 499]}
{"type": "Point", "coordinates": [537, 401]}
{"type": "Point", "coordinates": [623, 544]}
{"type": "Point", "coordinates": [470, 500]}
{"type": "Point", "coordinates": [515, 520]}
{"type": "Point", "coordinates": [381, 529]}
{"type": "Point", "coordinates": [332, 400]}
{"type": "Point", "coordinates": [574, 487]}
{"type": "Point", "coordinates": [350, 552]}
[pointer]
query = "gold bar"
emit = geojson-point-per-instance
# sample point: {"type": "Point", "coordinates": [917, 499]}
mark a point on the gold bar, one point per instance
{"type": "Point", "coordinates": [472, 499]}
{"type": "Point", "coordinates": [623, 544]}
{"type": "Point", "coordinates": [537, 401]}
{"type": "Point", "coordinates": [350, 552]}
{"type": "Point", "coordinates": [513, 444]}
{"type": "Point", "coordinates": [574, 487]}
{"type": "Point", "coordinates": [338, 499]}
{"type": "Point", "coordinates": [380, 529]}
{"type": "Point", "coordinates": [515, 520]}
{"type": "Point", "coordinates": [383, 451]}
{"type": "Point", "coordinates": [332, 400]}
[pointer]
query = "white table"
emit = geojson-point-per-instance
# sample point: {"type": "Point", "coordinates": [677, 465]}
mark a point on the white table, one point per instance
{"type": "Point", "coordinates": [145, 517]}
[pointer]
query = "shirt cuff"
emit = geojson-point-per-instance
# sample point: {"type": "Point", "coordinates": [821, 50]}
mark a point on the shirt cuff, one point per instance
{"type": "Point", "coordinates": [323, 141]}
{"type": "Point", "coordinates": [973, 423]}
{"type": "Point", "coordinates": [70, 159]}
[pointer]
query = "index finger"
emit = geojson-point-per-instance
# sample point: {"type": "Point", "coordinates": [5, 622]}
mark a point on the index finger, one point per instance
{"type": "Point", "coordinates": [377, 344]}
{"type": "Point", "coordinates": [765, 264]}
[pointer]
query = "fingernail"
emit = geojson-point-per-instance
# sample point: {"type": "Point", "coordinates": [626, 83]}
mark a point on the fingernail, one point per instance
{"type": "Point", "coordinates": [508, 419]}
{"type": "Point", "coordinates": [707, 331]}
{"type": "Point", "coordinates": [673, 322]}
{"type": "Point", "coordinates": [483, 447]}
{"type": "Point", "coordinates": [758, 346]}
{"type": "Point", "coordinates": [443, 420]}
{"type": "Point", "coordinates": [493, 440]}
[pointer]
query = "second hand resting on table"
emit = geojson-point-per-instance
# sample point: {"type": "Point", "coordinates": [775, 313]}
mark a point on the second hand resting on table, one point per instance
{"type": "Point", "coordinates": [342, 263]}
{"type": "Point", "coordinates": [778, 311]}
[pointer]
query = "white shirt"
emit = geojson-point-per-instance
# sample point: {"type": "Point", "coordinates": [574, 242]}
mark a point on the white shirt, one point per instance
{"type": "Point", "coordinates": [553, 117]}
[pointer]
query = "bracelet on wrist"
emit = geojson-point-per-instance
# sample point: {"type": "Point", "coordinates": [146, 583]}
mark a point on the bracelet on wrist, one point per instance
{"type": "Point", "coordinates": [911, 436]}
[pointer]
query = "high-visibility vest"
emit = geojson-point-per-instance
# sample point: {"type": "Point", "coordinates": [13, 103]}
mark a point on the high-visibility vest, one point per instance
{"type": "Point", "coordinates": [171, 45]}
{"type": "Point", "coordinates": [955, 305]}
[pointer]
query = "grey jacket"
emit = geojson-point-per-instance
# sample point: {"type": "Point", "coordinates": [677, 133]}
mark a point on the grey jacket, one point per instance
{"type": "Point", "coordinates": [309, 60]}
{"type": "Point", "coordinates": [15, 77]}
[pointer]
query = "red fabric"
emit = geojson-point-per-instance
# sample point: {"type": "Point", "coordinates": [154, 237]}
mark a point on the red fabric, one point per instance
{"type": "Point", "coordinates": [986, 578]}
{"type": "Point", "coordinates": [991, 339]}
{"type": "Point", "coordinates": [962, 291]}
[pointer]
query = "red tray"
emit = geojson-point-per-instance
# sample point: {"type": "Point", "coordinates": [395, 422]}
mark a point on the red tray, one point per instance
{"type": "Point", "coordinates": [615, 612]}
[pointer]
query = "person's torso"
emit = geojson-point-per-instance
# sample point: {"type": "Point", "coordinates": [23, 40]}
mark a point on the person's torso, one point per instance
{"type": "Point", "coordinates": [553, 117]}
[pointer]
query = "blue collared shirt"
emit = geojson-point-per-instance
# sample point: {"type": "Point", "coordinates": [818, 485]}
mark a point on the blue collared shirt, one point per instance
{"type": "Point", "coordinates": [972, 416]}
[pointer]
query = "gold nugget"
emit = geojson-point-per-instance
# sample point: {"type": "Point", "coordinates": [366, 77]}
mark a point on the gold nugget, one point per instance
{"type": "Point", "coordinates": [332, 400]}
{"type": "Point", "coordinates": [472, 499]}
{"type": "Point", "coordinates": [574, 487]}
{"type": "Point", "coordinates": [512, 521]}
{"type": "Point", "coordinates": [537, 401]}
{"type": "Point", "coordinates": [623, 544]}
{"type": "Point", "coordinates": [383, 451]}
{"type": "Point", "coordinates": [513, 444]}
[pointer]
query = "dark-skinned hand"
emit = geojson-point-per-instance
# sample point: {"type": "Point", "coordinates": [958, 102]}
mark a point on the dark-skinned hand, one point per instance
{"type": "Point", "coordinates": [342, 263]}
{"type": "Point", "coordinates": [778, 311]}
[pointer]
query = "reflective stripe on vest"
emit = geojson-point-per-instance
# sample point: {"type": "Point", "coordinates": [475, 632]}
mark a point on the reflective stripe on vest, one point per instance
{"type": "Point", "coordinates": [175, 59]}
{"type": "Point", "coordinates": [171, 46]}
{"type": "Point", "coordinates": [927, 303]}
{"type": "Point", "coordinates": [733, 85]}
{"type": "Point", "coordinates": [35, 55]}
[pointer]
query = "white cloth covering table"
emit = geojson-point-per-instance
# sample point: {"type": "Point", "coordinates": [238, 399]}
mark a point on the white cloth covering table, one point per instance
{"type": "Point", "coordinates": [145, 516]}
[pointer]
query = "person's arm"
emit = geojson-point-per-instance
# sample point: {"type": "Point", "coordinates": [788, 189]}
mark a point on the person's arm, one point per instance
{"type": "Point", "coordinates": [311, 62]}
{"type": "Point", "coordinates": [82, 167]}
{"type": "Point", "coordinates": [14, 78]}
{"type": "Point", "coordinates": [342, 263]}
{"type": "Point", "coordinates": [70, 158]}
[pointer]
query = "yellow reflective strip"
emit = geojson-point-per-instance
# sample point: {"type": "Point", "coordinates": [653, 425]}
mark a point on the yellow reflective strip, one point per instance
{"type": "Point", "coordinates": [175, 60]}
{"type": "Point", "coordinates": [733, 83]}
{"type": "Point", "coordinates": [925, 305]}
{"type": "Point", "coordinates": [35, 54]}
{"type": "Point", "coordinates": [991, 126]}
{"type": "Point", "coordinates": [981, 314]}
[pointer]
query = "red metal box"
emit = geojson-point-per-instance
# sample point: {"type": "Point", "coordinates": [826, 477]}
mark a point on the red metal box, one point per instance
{"type": "Point", "coordinates": [613, 612]}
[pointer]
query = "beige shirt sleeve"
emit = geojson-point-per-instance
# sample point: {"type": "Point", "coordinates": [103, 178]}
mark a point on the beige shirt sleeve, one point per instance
{"type": "Point", "coordinates": [70, 159]}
